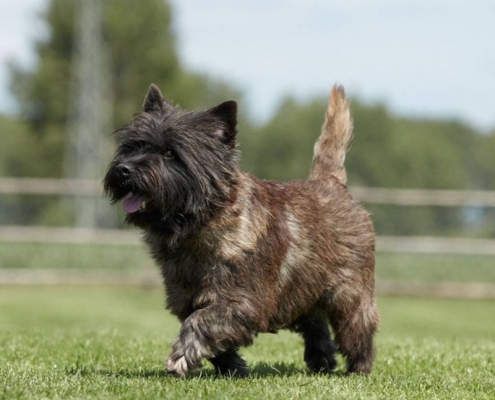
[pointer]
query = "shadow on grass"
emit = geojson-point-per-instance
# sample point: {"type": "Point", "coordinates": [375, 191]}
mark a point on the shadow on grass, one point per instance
{"type": "Point", "coordinates": [258, 371]}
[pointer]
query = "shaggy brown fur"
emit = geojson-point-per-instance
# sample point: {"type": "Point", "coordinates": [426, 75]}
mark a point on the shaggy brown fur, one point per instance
{"type": "Point", "coordinates": [240, 255]}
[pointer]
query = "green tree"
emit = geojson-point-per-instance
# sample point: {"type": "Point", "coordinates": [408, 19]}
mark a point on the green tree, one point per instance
{"type": "Point", "coordinates": [388, 151]}
{"type": "Point", "coordinates": [140, 48]}
{"type": "Point", "coordinates": [282, 148]}
{"type": "Point", "coordinates": [15, 155]}
{"type": "Point", "coordinates": [369, 160]}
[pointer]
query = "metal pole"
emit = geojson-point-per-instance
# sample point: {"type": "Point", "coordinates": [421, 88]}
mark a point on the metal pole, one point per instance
{"type": "Point", "coordinates": [90, 116]}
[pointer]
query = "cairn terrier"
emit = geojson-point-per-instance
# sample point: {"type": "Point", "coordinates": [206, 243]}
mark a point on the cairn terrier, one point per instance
{"type": "Point", "coordinates": [240, 255]}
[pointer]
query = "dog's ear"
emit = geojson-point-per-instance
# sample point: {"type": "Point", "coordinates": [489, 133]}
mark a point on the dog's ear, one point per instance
{"type": "Point", "coordinates": [227, 113]}
{"type": "Point", "coordinates": [154, 100]}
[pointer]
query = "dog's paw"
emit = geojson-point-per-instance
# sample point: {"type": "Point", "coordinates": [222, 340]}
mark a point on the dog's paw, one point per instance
{"type": "Point", "coordinates": [177, 365]}
{"type": "Point", "coordinates": [182, 362]}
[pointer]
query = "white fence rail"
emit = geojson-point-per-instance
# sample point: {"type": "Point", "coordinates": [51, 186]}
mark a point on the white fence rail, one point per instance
{"type": "Point", "coordinates": [42, 234]}
{"type": "Point", "coordinates": [435, 245]}
{"type": "Point", "coordinates": [117, 237]}
{"type": "Point", "coordinates": [425, 197]}
{"type": "Point", "coordinates": [61, 187]}
{"type": "Point", "coordinates": [401, 197]}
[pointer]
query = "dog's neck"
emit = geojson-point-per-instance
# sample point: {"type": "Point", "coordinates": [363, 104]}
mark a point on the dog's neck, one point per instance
{"type": "Point", "coordinates": [180, 230]}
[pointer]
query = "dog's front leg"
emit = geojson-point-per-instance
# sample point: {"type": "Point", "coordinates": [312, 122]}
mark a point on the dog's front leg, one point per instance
{"type": "Point", "coordinates": [208, 332]}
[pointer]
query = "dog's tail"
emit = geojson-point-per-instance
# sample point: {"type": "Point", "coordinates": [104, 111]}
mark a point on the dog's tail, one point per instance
{"type": "Point", "coordinates": [335, 138]}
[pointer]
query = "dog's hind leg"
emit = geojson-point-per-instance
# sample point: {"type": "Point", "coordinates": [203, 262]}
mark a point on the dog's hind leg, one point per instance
{"type": "Point", "coordinates": [230, 363]}
{"type": "Point", "coordinates": [354, 320]}
{"type": "Point", "coordinates": [319, 350]}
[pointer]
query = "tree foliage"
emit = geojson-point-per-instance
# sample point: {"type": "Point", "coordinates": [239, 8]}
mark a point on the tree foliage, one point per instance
{"type": "Point", "coordinates": [387, 151]}
{"type": "Point", "coordinates": [139, 48]}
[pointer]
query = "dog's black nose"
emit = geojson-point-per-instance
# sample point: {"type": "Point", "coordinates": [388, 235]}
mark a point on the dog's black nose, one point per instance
{"type": "Point", "coordinates": [124, 170]}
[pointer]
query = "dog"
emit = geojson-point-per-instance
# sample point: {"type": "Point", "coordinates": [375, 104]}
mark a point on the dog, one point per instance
{"type": "Point", "coordinates": [240, 255]}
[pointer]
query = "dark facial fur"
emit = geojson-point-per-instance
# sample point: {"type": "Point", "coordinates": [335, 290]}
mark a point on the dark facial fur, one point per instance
{"type": "Point", "coordinates": [181, 164]}
{"type": "Point", "coordinates": [241, 255]}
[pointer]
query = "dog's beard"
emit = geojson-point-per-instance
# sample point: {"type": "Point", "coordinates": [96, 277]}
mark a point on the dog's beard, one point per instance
{"type": "Point", "coordinates": [171, 203]}
{"type": "Point", "coordinates": [170, 179]}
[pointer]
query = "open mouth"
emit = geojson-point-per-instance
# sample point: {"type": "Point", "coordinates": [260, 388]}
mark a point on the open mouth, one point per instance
{"type": "Point", "coordinates": [133, 203]}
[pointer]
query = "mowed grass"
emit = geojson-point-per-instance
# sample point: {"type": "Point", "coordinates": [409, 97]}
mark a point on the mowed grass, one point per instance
{"type": "Point", "coordinates": [77, 342]}
{"type": "Point", "coordinates": [72, 256]}
{"type": "Point", "coordinates": [435, 268]}
{"type": "Point", "coordinates": [389, 266]}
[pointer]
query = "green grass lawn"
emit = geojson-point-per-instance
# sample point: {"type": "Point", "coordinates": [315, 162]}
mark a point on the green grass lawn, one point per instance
{"type": "Point", "coordinates": [435, 268]}
{"type": "Point", "coordinates": [72, 256]}
{"type": "Point", "coordinates": [77, 342]}
{"type": "Point", "coordinates": [400, 267]}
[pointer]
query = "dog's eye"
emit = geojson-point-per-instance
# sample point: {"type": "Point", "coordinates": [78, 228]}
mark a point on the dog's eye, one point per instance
{"type": "Point", "coordinates": [126, 148]}
{"type": "Point", "coordinates": [168, 154]}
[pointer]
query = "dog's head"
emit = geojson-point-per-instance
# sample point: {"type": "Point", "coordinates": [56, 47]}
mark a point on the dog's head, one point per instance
{"type": "Point", "coordinates": [173, 167]}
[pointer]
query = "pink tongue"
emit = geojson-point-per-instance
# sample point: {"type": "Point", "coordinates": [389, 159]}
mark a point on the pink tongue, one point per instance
{"type": "Point", "coordinates": [133, 203]}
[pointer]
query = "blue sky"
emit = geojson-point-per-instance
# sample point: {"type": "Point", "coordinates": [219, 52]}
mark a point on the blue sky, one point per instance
{"type": "Point", "coordinates": [422, 58]}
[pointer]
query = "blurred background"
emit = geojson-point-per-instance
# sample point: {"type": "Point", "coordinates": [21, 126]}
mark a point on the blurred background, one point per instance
{"type": "Point", "coordinates": [420, 76]}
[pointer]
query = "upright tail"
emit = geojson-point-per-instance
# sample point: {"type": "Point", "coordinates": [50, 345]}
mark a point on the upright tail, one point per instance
{"type": "Point", "coordinates": [336, 136]}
